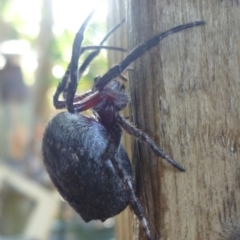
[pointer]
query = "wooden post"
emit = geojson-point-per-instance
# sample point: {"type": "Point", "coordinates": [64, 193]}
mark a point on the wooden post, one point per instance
{"type": "Point", "coordinates": [185, 93]}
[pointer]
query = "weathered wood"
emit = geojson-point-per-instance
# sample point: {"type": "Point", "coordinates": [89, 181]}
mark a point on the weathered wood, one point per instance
{"type": "Point", "coordinates": [186, 94]}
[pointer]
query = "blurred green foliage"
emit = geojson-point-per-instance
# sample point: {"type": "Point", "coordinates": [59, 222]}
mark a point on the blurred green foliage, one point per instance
{"type": "Point", "coordinates": [58, 53]}
{"type": "Point", "coordinates": [61, 51]}
{"type": "Point", "coordinates": [60, 47]}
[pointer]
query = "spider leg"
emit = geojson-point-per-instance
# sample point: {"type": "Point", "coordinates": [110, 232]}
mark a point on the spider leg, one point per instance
{"type": "Point", "coordinates": [137, 209]}
{"type": "Point", "coordinates": [112, 150]}
{"type": "Point", "coordinates": [73, 67]}
{"type": "Point", "coordinates": [145, 138]}
{"type": "Point", "coordinates": [100, 47]}
{"type": "Point", "coordinates": [116, 136]}
{"type": "Point", "coordinates": [77, 98]}
{"type": "Point", "coordinates": [60, 89]}
{"type": "Point", "coordinates": [119, 98]}
{"type": "Point", "coordinates": [74, 76]}
{"type": "Point", "coordinates": [63, 84]}
{"type": "Point", "coordinates": [92, 55]}
{"type": "Point", "coordinates": [134, 202]}
{"type": "Point", "coordinates": [72, 86]}
{"type": "Point", "coordinates": [138, 52]}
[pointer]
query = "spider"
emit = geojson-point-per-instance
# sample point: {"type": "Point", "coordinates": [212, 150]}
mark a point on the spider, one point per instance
{"type": "Point", "coordinates": [83, 155]}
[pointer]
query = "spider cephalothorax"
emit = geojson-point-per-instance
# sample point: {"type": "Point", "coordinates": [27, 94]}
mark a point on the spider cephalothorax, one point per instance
{"type": "Point", "coordinates": [83, 155]}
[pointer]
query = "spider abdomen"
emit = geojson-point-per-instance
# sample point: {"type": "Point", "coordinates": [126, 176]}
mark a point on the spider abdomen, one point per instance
{"type": "Point", "coordinates": [73, 152]}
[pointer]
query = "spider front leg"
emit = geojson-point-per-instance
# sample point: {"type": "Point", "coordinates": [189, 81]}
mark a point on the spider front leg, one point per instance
{"type": "Point", "coordinates": [63, 85]}
{"type": "Point", "coordinates": [138, 52]}
{"type": "Point", "coordinates": [113, 147]}
{"type": "Point", "coordinates": [145, 138]}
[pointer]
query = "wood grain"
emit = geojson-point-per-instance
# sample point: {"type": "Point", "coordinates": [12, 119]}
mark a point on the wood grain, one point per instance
{"type": "Point", "coordinates": [185, 93]}
{"type": "Point", "coordinates": [123, 222]}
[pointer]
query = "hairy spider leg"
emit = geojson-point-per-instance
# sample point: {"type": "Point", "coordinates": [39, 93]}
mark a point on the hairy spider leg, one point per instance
{"type": "Point", "coordinates": [137, 209]}
{"type": "Point", "coordinates": [76, 51]}
{"type": "Point", "coordinates": [130, 129]}
{"type": "Point", "coordinates": [138, 52]}
{"type": "Point", "coordinates": [62, 86]}
{"type": "Point", "coordinates": [116, 133]}
{"type": "Point", "coordinates": [97, 93]}
{"type": "Point", "coordinates": [74, 72]}
{"type": "Point", "coordinates": [60, 104]}
{"type": "Point", "coordinates": [72, 67]}
{"type": "Point", "coordinates": [107, 111]}
{"type": "Point", "coordinates": [116, 70]}
{"type": "Point", "coordinates": [134, 202]}
{"type": "Point", "coordinates": [93, 54]}
{"type": "Point", "coordinates": [95, 98]}
{"type": "Point", "coordinates": [118, 98]}
{"type": "Point", "coordinates": [92, 100]}
{"type": "Point", "coordinates": [77, 98]}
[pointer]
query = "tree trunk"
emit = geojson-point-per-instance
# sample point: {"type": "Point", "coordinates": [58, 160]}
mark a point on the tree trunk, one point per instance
{"type": "Point", "coordinates": [185, 94]}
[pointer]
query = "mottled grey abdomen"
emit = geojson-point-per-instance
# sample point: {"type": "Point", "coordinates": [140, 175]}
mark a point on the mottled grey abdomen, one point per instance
{"type": "Point", "coordinates": [73, 149]}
